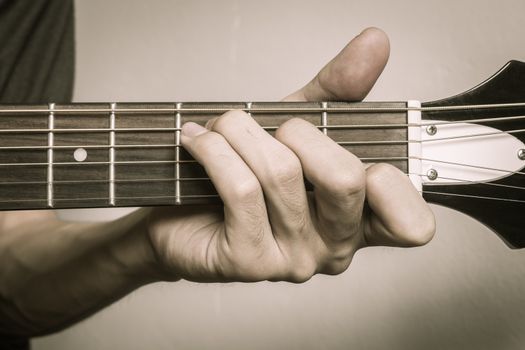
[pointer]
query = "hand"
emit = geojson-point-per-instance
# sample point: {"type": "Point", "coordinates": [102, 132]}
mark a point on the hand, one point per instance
{"type": "Point", "coordinates": [270, 228]}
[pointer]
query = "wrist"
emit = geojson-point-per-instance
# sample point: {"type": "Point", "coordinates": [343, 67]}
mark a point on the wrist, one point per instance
{"type": "Point", "coordinates": [134, 254]}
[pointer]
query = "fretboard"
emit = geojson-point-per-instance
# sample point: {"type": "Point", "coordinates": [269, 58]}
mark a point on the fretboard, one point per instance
{"type": "Point", "coordinates": [129, 154]}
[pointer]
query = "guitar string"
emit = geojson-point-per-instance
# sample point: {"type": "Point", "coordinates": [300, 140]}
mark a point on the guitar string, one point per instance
{"type": "Point", "coordinates": [439, 123]}
{"type": "Point", "coordinates": [317, 109]}
{"type": "Point", "coordinates": [466, 181]}
{"type": "Point", "coordinates": [173, 179]}
{"type": "Point", "coordinates": [150, 180]}
{"type": "Point", "coordinates": [174, 145]}
{"type": "Point", "coordinates": [208, 179]}
{"type": "Point", "coordinates": [173, 129]}
{"type": "Point", "coordinates": [192, 161]}
{"type": "Point", "coordinates": [268, 128]}
{"type": "Point", "coordinates": [23, 113]}
{"type": "Point", "coordinates": [96, 130]}
{"type": "Point", "coordinates": [89, 181]}
{"type": "Point", "coordinates": [475, 197]}
{"type": "Point", "coordinates": [343, 143]}
{"type": "Point", "coordinates": [494, 133]}
{"type": "Point", "coordinates": [146, 162]}
{"type": "Point", "coordinates": [507, 172]}
{"type": "Point", "coordinates": [217, 196]}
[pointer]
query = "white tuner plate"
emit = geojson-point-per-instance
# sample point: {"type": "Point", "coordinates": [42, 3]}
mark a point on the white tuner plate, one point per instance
{"type": "Point", "coordinates": [464, 153]}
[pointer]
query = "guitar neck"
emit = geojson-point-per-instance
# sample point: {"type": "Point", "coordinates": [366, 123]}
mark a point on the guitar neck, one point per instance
{"type": "Point", "coordinates": [129, 154]}
{"type": "Point", "coordinates": [466, 152]}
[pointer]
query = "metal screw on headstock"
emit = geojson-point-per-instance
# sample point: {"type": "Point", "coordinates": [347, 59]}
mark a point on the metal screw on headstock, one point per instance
{"type": "Point", "coordinates": [521, 154]}
{"type": "Point", "coordinates": [432, 174]}
{"type": "Point", "coordinates": [432, 130]}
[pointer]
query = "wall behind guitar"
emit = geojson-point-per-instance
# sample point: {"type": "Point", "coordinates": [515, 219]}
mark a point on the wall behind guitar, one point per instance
{"type": "Point", "coordinates": [464, 290]}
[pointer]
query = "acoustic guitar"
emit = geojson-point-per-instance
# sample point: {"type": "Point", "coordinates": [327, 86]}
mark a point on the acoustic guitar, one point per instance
{"type": "Point", "coordinates": [465, 152]}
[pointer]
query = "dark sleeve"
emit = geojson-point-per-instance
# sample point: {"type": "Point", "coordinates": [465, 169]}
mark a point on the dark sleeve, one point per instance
{"type": "Point", "coordinates": [13, 343]}
{"type": "Point", "coordinates": [36, 65]}
{"type": "Point", "coordinates": [36, 51]}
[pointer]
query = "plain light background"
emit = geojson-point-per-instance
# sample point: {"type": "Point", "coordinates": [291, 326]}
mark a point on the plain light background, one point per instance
{"type": "Point", "coordinates": [465, 290]}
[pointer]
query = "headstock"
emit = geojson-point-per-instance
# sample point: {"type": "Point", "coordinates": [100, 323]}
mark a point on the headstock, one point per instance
{"type": "Point", "coordinates": [498, 203]}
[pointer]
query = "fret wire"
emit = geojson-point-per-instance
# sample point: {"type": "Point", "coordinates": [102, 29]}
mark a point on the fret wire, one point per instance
{"type": "Point", "coordinates": [248, 108]}
{"type": "Point", "coordinates": [50, 143]}
{"type": "Point", "coordinates": [272, 109]}
{"type": "Point", "coordinates": [177, 153]}
{"type": "Point", "coordinates": [324, 118]}
{"type": "Point", "coordinates": [112, 156]}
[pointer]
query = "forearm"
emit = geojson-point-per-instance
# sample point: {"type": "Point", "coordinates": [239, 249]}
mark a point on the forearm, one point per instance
{"type": "Point", "coordinates": [56, 300]}
{"type": "Point", "coordinates": [49, 301]}
{"type": "Point", "coordinates": [33, 244]}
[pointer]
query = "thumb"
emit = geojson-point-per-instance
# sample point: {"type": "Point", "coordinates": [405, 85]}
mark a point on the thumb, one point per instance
{"type": "Point", "coordinates": [352, 73]}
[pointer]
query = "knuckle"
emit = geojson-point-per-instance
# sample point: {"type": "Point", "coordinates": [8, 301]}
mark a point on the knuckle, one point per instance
{"type": "Point", "coordinates": [346, 183]}
{"type": "Point", "coordinates": [337, 266]}
{"type": "Point", "coordinates": [302, 271]}
{"type": "Point", "coordinates": [247, 191]}
{"type": "Point", "coordinates": [338, 256]}
{"type": "Point", "coordinates": [286, 172]}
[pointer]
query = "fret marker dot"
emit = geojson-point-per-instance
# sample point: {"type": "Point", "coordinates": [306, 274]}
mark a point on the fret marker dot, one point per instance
{"type": "Point", "coordinates": [80, 154]}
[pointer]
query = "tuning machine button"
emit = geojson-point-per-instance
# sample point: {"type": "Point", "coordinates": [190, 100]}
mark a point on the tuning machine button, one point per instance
{"type": "Point", "coordinates": [521, 154]}
{"type": "Point", "coordinates": [432, 130]}
{"type": "Point", "coordinates": [432, 174]}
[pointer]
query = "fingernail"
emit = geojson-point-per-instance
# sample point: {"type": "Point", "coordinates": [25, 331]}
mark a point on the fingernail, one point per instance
{"type": "Point", "coordinates": [192, 129]}
{"type": "Point", "coordinates": [209, 123]}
